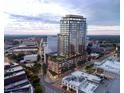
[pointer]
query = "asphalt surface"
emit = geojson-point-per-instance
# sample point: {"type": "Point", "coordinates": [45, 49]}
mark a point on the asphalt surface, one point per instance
{"type": "Point", "coordinates": [109, 86]}
{"type": "Point", "coordinates": [48, 88]}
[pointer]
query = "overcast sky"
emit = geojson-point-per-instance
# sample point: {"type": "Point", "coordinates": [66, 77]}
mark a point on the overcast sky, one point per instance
{"type": "Point", "coordinates": [43, 16]}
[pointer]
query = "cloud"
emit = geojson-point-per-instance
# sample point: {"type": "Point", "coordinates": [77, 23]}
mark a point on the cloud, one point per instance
{"type": "Point", "coordinates": [46, 18]}
{"type": "Point", "coordinates": [44, 15]}
{"type": "Point", "coordinates": [103, 30]}
{"type": "Point", "coordinates": [97, 12]}
{"type": "Point", "coordinates": [96, 27]}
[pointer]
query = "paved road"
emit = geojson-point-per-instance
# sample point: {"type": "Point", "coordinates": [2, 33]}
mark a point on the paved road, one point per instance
{"type": "Point", "coordinates": [48, 88]}
{"type": "Point", "coordinates": [110, 86]}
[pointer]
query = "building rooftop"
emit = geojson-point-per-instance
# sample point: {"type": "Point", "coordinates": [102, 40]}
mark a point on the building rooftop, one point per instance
{"type": "Point", "coordinates": [110, 64]}
{"type": "Point", "coordinates": [15, 79]}
{"type": "Point", "coordinates": [53, 56]}
{"type": "Point", "coordinates": [32, 55]}
{"type": "Point", "coordinates": [82, 81]}
{"type": "Point", "coordinates": [88, 87]}
{"type": "Point", "coordinates": [90, 77]}
{"type": "Point", "coordinates": [27, 47]}
{"type": "Point", "coordinates": [57, 58]}
{"type": "Point", "coordinates": [74, 16]}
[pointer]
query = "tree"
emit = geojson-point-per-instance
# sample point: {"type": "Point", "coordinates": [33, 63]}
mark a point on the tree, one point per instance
{"type": "Point", "coordinates": [15, 43]}
{"type": "Point", "coordinates": [12, 56]}
{"type": "Point", "coordinates": [79, 63]}
{"type": "Point", "coordinates": [36, 68]}
{"type": "Point", "coordinates": [38, 57]}
{"type": "Point", "coordinates": [20, 56]}
{"type": "Point", "coordinates": [44, 67]}
{"type": "Point", "coordinates": [89, 50]}
{"type": "Point", "coordinates": [35, 80]}
{"type": "Point", "coordinates": [38, 89]}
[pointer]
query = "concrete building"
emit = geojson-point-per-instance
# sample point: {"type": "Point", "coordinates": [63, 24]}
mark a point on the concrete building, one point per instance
{"type": "Point", "coordinates": [29, 58]}
{"type": "Point", "coordinates": [71, 39]}
{"type": "Point", "coordinates": [25, 49]}
{"type": "Point", "coordinates": [81, 82]}
{"type": "Point", "coordinates": [15, 80]}
{"type": "Point", "coordinates": [108, 67]}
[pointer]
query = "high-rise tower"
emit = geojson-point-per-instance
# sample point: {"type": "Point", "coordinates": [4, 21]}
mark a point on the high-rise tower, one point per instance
{"type": "Point", "coordinates": [71, 39]}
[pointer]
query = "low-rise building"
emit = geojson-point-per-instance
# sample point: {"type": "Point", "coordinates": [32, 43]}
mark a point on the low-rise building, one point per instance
{"type": "Point", "coordinates": [108, 67]}
{"type": "Point", "coordinates": [15, 80]}
{"type": "Point", "coordinates": [61, 64]}
{"type": "Point", "coordinates": [29, 58]}
{"type": "Point", "coordinates": [81, 82]}
{"type": "Point", "coordinates": [25, 49]}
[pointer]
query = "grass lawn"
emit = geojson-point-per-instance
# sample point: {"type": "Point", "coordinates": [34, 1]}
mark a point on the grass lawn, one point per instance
{"type": "Point", "coordinates": [57, 58]}
{"type": "Point", "coordinates": [89, 69]}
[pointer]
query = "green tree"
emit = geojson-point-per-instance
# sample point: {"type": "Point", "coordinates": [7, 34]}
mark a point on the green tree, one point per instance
{"type": "Point", "coordinates": [36, 68]}
{"type": "Point", "coordinates": [38, 57]}
{"type": "Point", "coordinates": [35, 80]}
{"type": "Point", "coordinates": [38, 89]}
{"type": "Point", "coordinates": [12, 56]}
{"type": "Point", "coordinates": [44, 67]}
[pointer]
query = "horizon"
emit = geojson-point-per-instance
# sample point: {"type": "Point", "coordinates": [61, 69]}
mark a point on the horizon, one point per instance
{"type": "Point", "coordinates": [49, 35]}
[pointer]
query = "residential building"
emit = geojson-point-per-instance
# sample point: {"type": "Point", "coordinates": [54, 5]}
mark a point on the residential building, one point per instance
{"type": "Point", "coordinates": [60, 65]}
{"type": "Point", "coordinates": [71, 45]}
{"type": "Point", "coordinates": [15, 80]}
{"type": "Point", "coordinates": [72, 37]}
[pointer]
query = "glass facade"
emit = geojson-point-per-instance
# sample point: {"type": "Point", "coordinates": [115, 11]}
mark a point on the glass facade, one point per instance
{"type": "Point", "coordinates": [72, 34]}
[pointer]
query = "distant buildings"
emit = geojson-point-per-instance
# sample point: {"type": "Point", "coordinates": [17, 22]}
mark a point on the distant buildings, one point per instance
{"type": "Point", "coordinates": [27, 46]}
{"type": "Point", "coordinates": [30, 42]}
{"type": "Point", "coordinates": [81, 82]}
{"type": "Point", "coordinates": [71, 39]}
{"type": "Point", "coordinates": [25, 49]}
{"type": "Point", "coordinates": [15, 80]}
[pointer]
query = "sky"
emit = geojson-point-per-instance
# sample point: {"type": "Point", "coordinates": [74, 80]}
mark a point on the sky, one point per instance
{"type": "Point", "coordinates": [42, 17]}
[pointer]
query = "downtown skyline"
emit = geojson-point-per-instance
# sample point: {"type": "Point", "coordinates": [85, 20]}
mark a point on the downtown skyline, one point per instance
{"type": "Point", "coordinates": [43, 16]}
